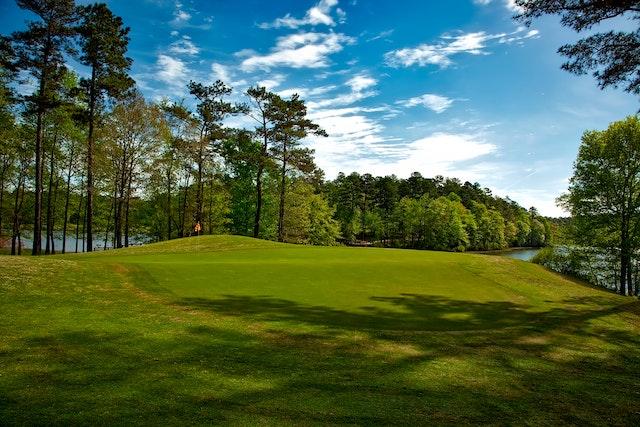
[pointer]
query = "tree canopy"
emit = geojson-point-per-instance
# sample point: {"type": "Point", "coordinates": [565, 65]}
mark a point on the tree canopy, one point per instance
{"type": "Point", "coordinates": [613, 57]}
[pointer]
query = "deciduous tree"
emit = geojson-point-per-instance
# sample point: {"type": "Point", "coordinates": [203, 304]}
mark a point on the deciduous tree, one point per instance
{"type": "Point", "coordinates": [604, 193]}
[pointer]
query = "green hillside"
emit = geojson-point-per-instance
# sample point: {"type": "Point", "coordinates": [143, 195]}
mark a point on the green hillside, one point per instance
{"type": "Point", "coordinates": [227, 329]}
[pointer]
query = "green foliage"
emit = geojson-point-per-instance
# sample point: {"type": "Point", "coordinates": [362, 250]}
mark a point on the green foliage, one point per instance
{"type": "Point", "coordinates": [611, 56]}
{"type": "Point", "coordinates": [323, 229]}
{"type": "Point", "coordinates": [604, 192]}
{"type": "Point", "coordinates": [444, 227]}
{"type": "Point", "coordinates": [309, 218]}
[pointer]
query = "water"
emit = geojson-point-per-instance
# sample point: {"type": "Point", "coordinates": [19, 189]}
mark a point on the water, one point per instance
{"type": "Point", "coordinates": [521, 254]}
{"type": "Point", "coordinates": [524, 254]}
{"type": "Point", "coordinates": [98, 242]}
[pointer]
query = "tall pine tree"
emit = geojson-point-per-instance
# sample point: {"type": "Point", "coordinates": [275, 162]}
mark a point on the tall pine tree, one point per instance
{"type": "Point", "coordinates": [103, 41]}
{"type": "Point", "coordinates": [40, 50]}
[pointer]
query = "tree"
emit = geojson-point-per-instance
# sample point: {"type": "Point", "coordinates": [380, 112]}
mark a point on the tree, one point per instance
{"type": "Point", "coordinates": [131, 137]}
{"type": "Point", "coordinates": [614, 56]}
{"type": "Point", "coordinates": [8, 140]}
{"type": "Point", "coordinates": [310, 218]}
{"type": "Point", "coordinates": [490, 228]}
{"type": "Point", "coordinates": [243, 158]}
{"type": "Point", "coordinates": [212, 110]}
{"type": "Point", "coordinates": [262, 112]}
{"type": "Point", "coordinates": [324, 230]}
{"type": "Point", "coordinates": [604, 193]}
{"type": "Point", "coordinates": [445, 226]}
{"type": "Point", "coordinates": [103, 41]}
{"type": "Point", "coordinates": [40, 50]}
{"type": "Point", "coordinates": [178, 128]}
{"type": "Point", "coordinates": [291, 126]}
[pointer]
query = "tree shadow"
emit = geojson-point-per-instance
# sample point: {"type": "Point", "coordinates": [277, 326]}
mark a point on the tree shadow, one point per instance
{"type": "Point", "coordinates": [423, 359]}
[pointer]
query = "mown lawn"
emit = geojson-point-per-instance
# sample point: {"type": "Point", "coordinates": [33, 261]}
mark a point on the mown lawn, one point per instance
{"type": "Point", "coordinates": [234, 330]}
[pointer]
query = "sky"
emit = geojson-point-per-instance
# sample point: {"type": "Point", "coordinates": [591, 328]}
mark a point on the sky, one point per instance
{"type": "Point", "coordinates": [454, 88]}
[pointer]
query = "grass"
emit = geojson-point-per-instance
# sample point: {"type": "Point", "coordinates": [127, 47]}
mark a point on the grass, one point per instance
{"type": "Point", "coordinates": [239, 331]}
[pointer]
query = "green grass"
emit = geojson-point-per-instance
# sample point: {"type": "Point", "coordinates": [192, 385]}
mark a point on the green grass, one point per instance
{"type": "Point", "coordinates": [239, 331]}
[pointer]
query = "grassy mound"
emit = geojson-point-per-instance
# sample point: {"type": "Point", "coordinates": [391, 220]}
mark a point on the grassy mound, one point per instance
{"type": "Point", "coordinates": [235, 330]}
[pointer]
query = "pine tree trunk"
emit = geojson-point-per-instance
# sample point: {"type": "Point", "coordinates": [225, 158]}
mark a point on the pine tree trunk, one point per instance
{"type": "Point", "coordinates": [263, 155]}
{"type": "Point", "coordinates": [256, 222]}
{"type": "Point", "coordinates": [5, 166]}
{"type": "Point", "coordinates": [199, 184]}
{"type": "Point", "coordinates": [111, 212]}
{"type": "Point", "coordinates": [66, 203]}
{"type": "Point", "coordinates": [624, 255]}
{"type": "Point", "coordinates": [90, 144]}
{"type": "Point", "coordinates": [37, 205]}
{"type": "Point", "coordinates": [211, 206]}
{"type": "Point", "coordinates": [169, 204]}
{"type": "Point", "coordinates": [53, 216]}
{"type": "Point", "coordinates": [15, 234]}
{"type": "Point", "coordinates": [184, 209]}
{"type": "Point", "coordinates": [283, 182]}
{"type": "Point", "coordinates": [49, 232]}
{"type": "Point", "coordinates": [78, 214]}
{"type": "Point", "coordinates": [127, 205]}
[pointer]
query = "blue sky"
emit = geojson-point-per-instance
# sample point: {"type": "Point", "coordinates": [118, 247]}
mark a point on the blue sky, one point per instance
{"type": "Point", "coordinates": [455, 87]}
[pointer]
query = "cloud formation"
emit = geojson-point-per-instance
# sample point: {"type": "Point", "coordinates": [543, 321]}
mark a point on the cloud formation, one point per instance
{"type": "Point", "coordinates": [184, 46]}
{"type": "Point", "coordinates": [171, 71]}
{"type": "Point", "coordinates": [509, 4]}
{"type": "Point", "coordinates": [300, 50]}
{"type": "Point", "coordinates": [320, 14]}
{"type": "Point", "coordinates": [441, 53]}
{"type": "Point", "coordinates": [436, 103]}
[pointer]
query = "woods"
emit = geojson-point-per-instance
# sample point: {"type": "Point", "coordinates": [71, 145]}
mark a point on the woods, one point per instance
{"type": "Point", "coordinates": [88, 156]}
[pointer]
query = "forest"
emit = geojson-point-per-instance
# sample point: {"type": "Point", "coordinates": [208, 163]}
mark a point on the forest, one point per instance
{"type": "Point", "coordinates": [85, 158]}
{"type": "Point", "coordinates": [202, 269]}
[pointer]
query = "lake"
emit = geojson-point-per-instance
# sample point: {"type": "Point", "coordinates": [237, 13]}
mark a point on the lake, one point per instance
{"type": "Point", "coordinates": [524, 254]}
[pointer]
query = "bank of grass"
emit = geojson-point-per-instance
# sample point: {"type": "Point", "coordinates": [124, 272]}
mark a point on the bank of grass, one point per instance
{"type": "Point", "coordinates": [235, 330]}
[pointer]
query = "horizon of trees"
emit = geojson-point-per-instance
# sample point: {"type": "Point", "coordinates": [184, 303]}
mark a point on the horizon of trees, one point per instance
{"type": "Point", "coordinates": [91, 158]}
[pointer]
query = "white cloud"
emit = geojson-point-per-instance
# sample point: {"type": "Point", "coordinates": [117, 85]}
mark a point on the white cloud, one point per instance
{"type": "Point", "coordinates": [300, 50]}
{"type": "Point", "coordinates": [180, 16]}
{"type": "Point", "coordinates": [440, 54]}
{"type": "Point", "coordinates": [513, 7]}
{"type": "Point", "coordinates": [184, 47]}
{"type": "Point", "coordinates": [381, 35]}
{"type": "Point", "coordinates": [273, 81]}
{"type": "Point", "coordinates": [355, 144]}
{"type": "Point", "coordinates": [320, 14]}
{"type": "Point", "coordinates": [361, 82]}
{"type": "Point", "coordinates": [358, 90]}
{"type": "Point", "coordinates": [307, 92]}
{"type": "Point", "coordinates": [171, 71]}
{"type": "Point", "coordinates": [436, 103]}
{"type": "Point", "coordinates": [509, 4]}
{"type": "Point", "coordinates": [220, 72]}
{"type": "Point", "coordinates": [352, 135]}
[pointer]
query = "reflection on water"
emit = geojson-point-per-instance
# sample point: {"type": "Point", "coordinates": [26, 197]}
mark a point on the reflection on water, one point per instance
{"type": "Point", "coordinates": [98, 243]}
{"type": "Point", "coordinates": [524, 254]}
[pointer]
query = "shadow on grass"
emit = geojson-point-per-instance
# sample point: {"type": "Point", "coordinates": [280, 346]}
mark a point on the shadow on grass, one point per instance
{"type": "Point", "coordinates": [424, 360]}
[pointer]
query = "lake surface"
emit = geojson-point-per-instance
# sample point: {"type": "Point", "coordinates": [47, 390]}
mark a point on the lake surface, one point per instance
{"type": "Point", "coordinates": [525, 254]}
{"type": "Point", "coordinates": [98, 242]}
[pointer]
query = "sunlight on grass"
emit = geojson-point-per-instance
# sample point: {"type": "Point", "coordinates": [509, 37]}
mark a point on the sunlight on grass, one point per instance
{"type": "Point", "coordinates": [306, 335]}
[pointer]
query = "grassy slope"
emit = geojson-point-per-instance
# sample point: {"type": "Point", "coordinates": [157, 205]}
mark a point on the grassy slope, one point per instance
{"type": "Point", "coordinates": [230, 329]}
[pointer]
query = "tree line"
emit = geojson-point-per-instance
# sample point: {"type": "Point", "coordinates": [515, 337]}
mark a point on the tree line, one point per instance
{"type": "Point", "coordinates": [89, 157]}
